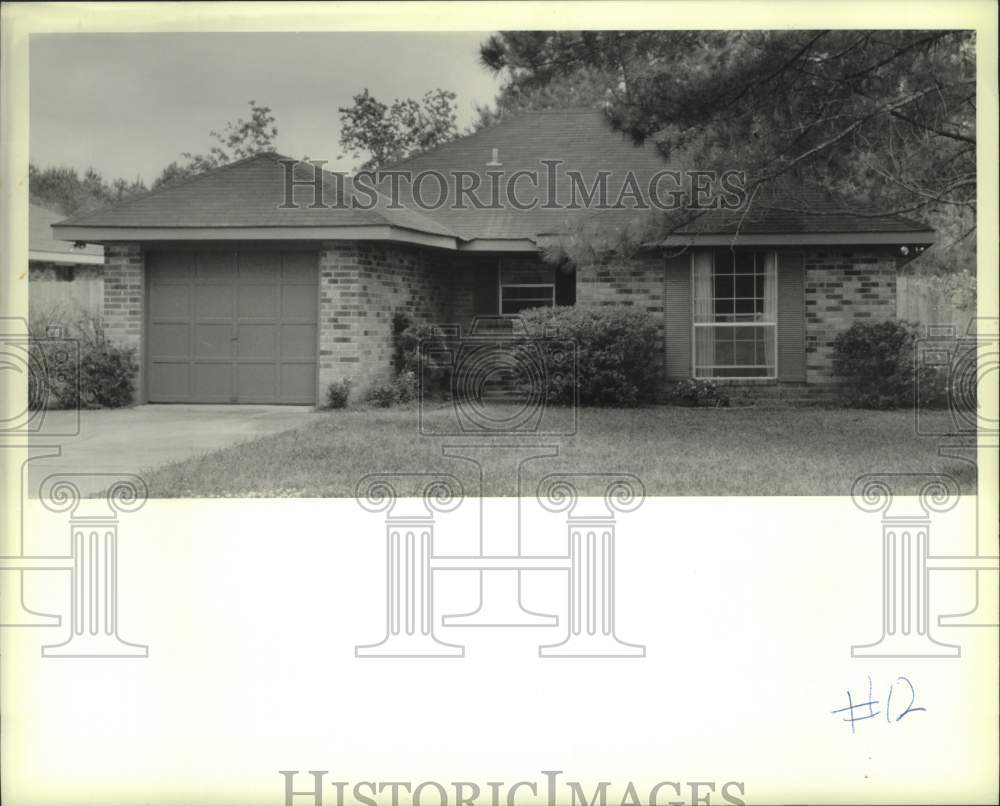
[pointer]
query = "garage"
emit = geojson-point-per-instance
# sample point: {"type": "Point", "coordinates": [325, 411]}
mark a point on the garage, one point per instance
{"type": "Point", "coordinates": [231, 326]}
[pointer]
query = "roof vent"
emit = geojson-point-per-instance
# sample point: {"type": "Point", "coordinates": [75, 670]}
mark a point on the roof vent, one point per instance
{"type": "Point", "coordinates": [495, 162]}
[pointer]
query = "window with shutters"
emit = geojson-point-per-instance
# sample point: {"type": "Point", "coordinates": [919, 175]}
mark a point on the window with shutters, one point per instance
{"type": "Point", "coordinates": [525, 284]}
{"type": "Point", "coordinates": [735, 314]}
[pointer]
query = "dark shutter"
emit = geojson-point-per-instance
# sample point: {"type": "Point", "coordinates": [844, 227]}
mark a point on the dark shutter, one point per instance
{"type": "Point", "coordinates": [791, 317]}
{"type": "Point", "coordinates": [487, 299]}
{"type": "Point", "coordinates": [566, 285]}
{"type": "Point", "coordinates": [677, 313]}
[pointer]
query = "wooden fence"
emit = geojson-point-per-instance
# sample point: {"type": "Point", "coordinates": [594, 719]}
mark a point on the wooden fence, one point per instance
{"type": "Point", "coordinates": [920, 300]}
{"type": "Point", "coordinates": [81, 295]}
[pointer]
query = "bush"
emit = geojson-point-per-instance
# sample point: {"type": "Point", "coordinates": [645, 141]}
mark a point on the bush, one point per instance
{"type": "Point", "coordinates": [401, 324]}
{"type": "Point", "coordinates": [406, 386]}
{"type": "Point", "coordinates": [338, 393]}
{"type": "Point", "coordinates": [48, 388]}
{"type": "Point", "coordinates": [106, 374]}
{"type": "Point", "coordinates": [875, 366]}
{"type": "Point", "coordinates": [383, 395]}
{"type": "Point", "coordinates": [421, 368]}
{"type": "Point", "coordinates": [619, 354]}
{"type": "Point", "coordinates": [401, 389]}
{"type": "Point", "coordinates": [697, 392]}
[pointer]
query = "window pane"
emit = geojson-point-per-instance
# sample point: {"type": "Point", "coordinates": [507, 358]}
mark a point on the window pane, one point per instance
{"type": "Point", "coordinates": [744, 285]}
{"type": "Point", "coordinates": [723, 261]}
{"type": "Point", "coordinates": [724, 310]}
{"type": "Point", "coordinates": [743, 354]}
{"type": "Point", "coordinates": [525, 282]}
{"type": "Point", "coordinates": [745, 262]}
{"type": "Point", "coordinates": [739, 351]}
{"type": "Point", "coordinates": [739, 372]}
{"type": "Point", "coordinates": [514, 306]}
{"type": "Point", "coordinates": [529, 292]}
{"type": "Point", "coordinates": [521, 274]}
{"type": "Point", "coordinates": [723, 285]}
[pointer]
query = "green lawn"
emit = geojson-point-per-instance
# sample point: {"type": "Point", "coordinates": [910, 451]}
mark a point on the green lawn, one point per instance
{"type": "Point", "coordinates": [675, 451]}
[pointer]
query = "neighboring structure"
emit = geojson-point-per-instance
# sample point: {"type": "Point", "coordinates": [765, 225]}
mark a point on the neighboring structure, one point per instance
{"type": "Point", "coordinates": [62, 277]}
{"type": "Point", "coordinates": [231, 293]}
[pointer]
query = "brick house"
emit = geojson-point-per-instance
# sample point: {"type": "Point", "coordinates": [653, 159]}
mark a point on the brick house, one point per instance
{"type": "Point", "coordinates": [261, 283]}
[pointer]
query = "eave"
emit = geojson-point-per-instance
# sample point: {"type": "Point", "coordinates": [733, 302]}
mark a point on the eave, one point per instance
{"type": "Point", "coordinates": [909, 238]}
{"type": "Point", "coordinates": [124, 234]}
{"type": "Point", "coordinates": [65, 257]}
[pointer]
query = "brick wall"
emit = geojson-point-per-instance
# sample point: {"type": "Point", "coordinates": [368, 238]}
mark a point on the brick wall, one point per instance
{"type": "Point", "coordinates": [124, 289]}
{"type": "Point", "coordinates": [843, 286]}
{"type": "Point", "coordinates": [637, 283]}
{"type": "Point", "coordinates": [362, 285]}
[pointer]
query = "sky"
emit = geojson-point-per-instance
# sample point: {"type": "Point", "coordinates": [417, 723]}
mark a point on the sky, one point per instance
{"type": "Point", "coordinates": [128, 104]}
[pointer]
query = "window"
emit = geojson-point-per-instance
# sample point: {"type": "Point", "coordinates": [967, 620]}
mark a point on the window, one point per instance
{"type": "Point", "coordinates": [735, 299]}
{"type": "Point", "coordinates": [525, 284]}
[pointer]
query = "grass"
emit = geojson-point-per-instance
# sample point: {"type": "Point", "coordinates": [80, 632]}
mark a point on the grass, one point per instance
{"type": "Point", "coordinates": [675, 451]}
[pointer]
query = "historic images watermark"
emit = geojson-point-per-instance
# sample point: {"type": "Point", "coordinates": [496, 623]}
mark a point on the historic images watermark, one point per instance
{"type": "Point", "coordinates": [50, 365]}
{"type": "Point", "coordinates": [547, 187]}
{"type": "Point", "coordinates": [509, 397]}
{"type": "Point", "coordinates": [968, 363]}
{"type": "Point", "coordinates": [549, 790]}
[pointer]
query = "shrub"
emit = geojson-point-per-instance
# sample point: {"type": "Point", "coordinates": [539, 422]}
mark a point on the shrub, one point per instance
{"type": "Point", "coordinates": [383, 394]}
{"type": "Point", "coordinates": [697, 392]}
{"type": "Point", "coordinates": [619, 354]}
{"type": "Point", "coordinates": [401, 389]}
{"type": "Point", "coordinates": [106, 373]}
{"type": "Point", "coordinates": [401, 324]}
{"type": "Point", "coordinates": [421, 366]}
{"type": "Point", "coordinates": [338, 393]}
{"type": "Point", "coordinates": [107, 376]}
{"type": "Point", "coordinates": [408, 364]}
{"type": "Point", "coordinates": [48, 388]}
{"type": "Point", "coordinates": [405, 385]}
{"type": "Point", "coordinates": [875, 366]}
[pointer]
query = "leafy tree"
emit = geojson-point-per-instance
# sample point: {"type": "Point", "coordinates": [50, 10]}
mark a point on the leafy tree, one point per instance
{"type": "Point", "coordinates": [879, 121]}
{"type": "Point", "coordinates": [587, 87]}
{"type": "Point", "coordinates": [63, 189]}
{"type": "Point", "coordinates": [239, 139]}
{"type": "Point", "coordinates": [390, 133]}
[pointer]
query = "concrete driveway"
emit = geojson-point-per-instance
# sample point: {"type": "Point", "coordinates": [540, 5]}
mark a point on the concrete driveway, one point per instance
{"type": "Point", "coordinates": [138, 439]}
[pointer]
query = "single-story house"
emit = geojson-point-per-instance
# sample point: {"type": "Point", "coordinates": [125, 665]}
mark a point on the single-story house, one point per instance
{"type": "Point", "coordinates": [63, 278]}
{"type": "Point", "coordinates": [260, 283]}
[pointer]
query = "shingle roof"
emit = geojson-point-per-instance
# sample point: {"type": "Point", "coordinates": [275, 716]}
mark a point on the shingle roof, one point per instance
{"type": "Point", "coordinates": [249, 193]}
{"type": "Point", "coordinates": [580, 139]}
{"type": "Point", "coordinates": [584, 141]}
